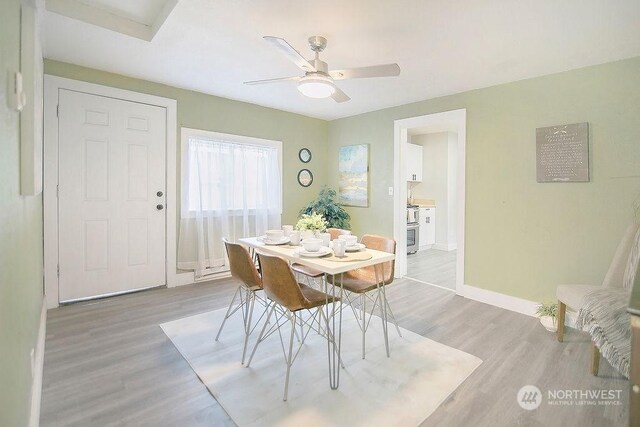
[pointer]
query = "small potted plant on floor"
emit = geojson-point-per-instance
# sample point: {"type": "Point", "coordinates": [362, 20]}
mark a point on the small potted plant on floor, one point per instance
{"type": "Point", "coordinates": [547, 312]}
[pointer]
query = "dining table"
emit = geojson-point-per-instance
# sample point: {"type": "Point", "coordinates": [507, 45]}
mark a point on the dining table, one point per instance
{"type": "Point", "coordinates": [329, 265]}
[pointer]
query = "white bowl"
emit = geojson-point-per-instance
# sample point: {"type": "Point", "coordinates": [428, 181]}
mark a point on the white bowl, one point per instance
{"type": "Point", "coordinates": [274, 235]}
{"type": "Point", "coordinates": [312, 245]}
{"type": "Point", "coordinates": [349, 239]}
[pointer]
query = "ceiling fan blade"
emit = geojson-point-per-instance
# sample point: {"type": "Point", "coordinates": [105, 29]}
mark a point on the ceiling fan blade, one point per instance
{"type": "Point", "coordinates": [293, 55]}
{"type": "Point", "coordinates": [387, 70]}
{"type": "Point", "coordinates": [278, 80]}
{"type": "Point", "coordinates": [339, 95]}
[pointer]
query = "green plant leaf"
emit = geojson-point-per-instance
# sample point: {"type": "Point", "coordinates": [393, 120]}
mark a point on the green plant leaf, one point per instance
{"type": "Point", "coordinates": [326, 205]}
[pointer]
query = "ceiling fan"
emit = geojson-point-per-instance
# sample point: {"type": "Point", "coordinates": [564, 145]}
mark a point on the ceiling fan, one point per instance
{"type": "Point", "coordinates": [318, 81]}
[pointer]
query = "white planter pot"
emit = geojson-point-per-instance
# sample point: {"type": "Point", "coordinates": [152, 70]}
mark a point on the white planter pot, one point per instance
{"type": "Point", "coordinates": [549, 323]}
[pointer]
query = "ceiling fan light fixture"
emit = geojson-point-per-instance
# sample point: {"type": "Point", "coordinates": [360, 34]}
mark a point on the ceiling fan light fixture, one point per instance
{"type": "Point", "coordinates": [316, 86]}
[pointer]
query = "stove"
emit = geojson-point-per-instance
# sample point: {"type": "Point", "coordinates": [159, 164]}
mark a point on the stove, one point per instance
{"type": "Point", "coordinates": [413, 228]}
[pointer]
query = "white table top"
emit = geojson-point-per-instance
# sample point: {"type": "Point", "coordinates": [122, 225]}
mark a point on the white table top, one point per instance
{"type": "Point", "coordinates": [321, 264]}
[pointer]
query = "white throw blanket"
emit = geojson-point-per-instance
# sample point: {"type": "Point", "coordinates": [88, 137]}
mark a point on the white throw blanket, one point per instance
{"type": "Point", "coordinates": [604, 316]}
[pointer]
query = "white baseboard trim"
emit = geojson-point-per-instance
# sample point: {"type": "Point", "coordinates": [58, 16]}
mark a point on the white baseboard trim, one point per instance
{"type": "Point", "coordinates": [184, 279]}
{"type": "Point", "coordinates": [511, 303]}
{"type": "Point", "coordinates": [37, 368]}
{"type": "Point", "coordinates": [497, 299]}
{"type": "Point", "coordinates": [190, 278]}
{"type": "Point", "coordinates": [443, 247]}
{"type": "Point", "coordinates": [214, 276]}
{"type": "Point", "coordinates": [430, 284]}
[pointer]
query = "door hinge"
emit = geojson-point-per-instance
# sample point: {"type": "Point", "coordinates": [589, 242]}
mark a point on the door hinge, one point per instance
{"type": "Point", "coordinates": [58, 271]}
{"type": "Point", "coordinates": [58, 191]}
{"type": "Point", "coordinates": [58, 110]}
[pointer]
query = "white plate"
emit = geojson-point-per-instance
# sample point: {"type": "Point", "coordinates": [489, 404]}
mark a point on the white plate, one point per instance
{"type": "Point", "coordinates": [322, 252]}
{"type": "Point", "coordinates": [355, 248]}
{"type": "Point", "coordinates": [266, 241]}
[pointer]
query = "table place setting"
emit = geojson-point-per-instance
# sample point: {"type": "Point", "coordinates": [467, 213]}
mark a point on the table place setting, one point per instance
{"type": "Point", "coordinates": [313, 248]}
{"type": "Point", "coordinates": [341, 249]}
{"type": "Point", "coordinates": [274, 237]}
{"type": "Point", "coordinates": [314, 245]}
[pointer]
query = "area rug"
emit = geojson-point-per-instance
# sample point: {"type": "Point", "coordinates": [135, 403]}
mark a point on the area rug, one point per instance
{"type": "Point", "coordinates": [401, 390]}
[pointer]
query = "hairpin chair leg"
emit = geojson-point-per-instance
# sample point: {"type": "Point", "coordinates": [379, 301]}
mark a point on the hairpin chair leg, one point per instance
{"type": "Point", "coordinates": [247, 327]}
{"type": "Point", "coordinates": [393, 318]}
{"type": "Point", "coordinates": [227, 315]}
{"type": "Point", "coordinates": [261, 336]}
{"type": "Point", "coordinates": [289, 360]}
{"type": "Point", "coordinates": [364, 324]}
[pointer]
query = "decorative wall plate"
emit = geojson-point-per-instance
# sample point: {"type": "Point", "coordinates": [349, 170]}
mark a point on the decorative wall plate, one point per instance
{"type": "Point", "coordinates": [305, 177]}
{"type": "Point", "coordinates": [304, 155]}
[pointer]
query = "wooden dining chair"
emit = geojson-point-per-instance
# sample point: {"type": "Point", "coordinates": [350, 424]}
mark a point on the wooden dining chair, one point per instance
{"type": "Point", "coordinates": [309, 273]}
{"type": "Point", "coordinates": [244, 270]}
{"type": "Point", "coordinates": [366, 281]}
{"type": "Point", "coordinates": [287, 298]}
{"type": "Point", "coordinates": [335, 232]}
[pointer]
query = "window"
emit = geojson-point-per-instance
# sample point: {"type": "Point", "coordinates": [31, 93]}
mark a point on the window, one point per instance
{"type": "Point", "coordinates": [230, 175]}
{"type": "Point", "coordinates": [231, 188]}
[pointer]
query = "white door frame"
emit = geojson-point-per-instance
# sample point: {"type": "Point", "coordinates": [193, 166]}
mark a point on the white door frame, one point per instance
{"type": "Point", "coordinates": [52, 86]}
{"type": "Point", "coordinates": [458, 120]}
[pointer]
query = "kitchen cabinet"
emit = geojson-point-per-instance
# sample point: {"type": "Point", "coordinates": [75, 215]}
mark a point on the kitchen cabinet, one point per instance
{"type": "Point", "coordinates": [414, 163]}
{"type": "Point", "coordinates": [427, 227]}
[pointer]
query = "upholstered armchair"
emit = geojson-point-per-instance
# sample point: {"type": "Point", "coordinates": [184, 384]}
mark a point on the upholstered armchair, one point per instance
{"type": "Point", "coordinates": [573, 296]}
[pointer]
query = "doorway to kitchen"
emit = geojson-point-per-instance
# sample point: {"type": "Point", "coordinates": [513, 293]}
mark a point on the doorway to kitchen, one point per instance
{"type": "Point", "coordinates": [429, 186]}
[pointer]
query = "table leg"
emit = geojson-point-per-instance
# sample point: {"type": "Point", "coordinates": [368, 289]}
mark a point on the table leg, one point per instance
{"type": "Point", "coordinates": [383, 305]}
{"type": "Point", "coordinates": [333, 339]}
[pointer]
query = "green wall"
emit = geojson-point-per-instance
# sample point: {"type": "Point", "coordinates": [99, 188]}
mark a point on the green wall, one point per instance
{"type": "Point", "coordinates": [20, 244]}
{"type": "Point", "coordinates": [523, 238]}
{"type": "Point", "coordinates": [201, 111]}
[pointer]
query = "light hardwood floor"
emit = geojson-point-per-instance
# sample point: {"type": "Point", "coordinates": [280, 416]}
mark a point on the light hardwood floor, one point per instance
{"type": "Point", "coordinates": [433, 266]}
{"type": "Point", "coordinates": [108, 362]}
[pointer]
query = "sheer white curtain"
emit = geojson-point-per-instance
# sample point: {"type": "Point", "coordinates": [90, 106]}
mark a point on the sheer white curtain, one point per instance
{"type": "Point", "coordinates": [230, 189]}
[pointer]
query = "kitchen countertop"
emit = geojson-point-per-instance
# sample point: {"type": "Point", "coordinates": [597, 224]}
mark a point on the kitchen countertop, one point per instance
{"type": "Point", "coordinates": [425, 203]}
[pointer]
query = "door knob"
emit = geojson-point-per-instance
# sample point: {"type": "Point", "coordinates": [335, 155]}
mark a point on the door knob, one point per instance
{"type": "Point", "coordinates": [159, 207]}
{"type": "Point", "coordinates": [159, 194]}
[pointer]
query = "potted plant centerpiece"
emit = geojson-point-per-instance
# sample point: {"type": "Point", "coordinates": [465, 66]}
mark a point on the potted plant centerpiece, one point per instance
{"type": "Point", "coordinates": [325, 204]}
{"type": "Point", "coordinates": [310, 225]}
{"type": "Point", "coordinates": [547, 312]}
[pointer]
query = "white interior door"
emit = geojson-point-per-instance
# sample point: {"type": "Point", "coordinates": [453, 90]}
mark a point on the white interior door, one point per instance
{"type": "Point", "coordinates": [111, 195]}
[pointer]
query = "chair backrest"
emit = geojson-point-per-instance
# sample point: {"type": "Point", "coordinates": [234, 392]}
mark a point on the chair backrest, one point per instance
{"type": "Point", "coordinates": [383, 244]}
{"type": "Point", "coordinates": [622, 270]}
{"type": "Point", "coordinates": [241, 265]}
{"type": "Point", "coordinates": [280, 284]}
{"type": "Point", "coordinates": [335, 232]}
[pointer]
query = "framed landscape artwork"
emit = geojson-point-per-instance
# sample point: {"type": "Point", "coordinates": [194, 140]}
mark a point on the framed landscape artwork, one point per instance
{"type": "Point", "coordinates": [353, 167]}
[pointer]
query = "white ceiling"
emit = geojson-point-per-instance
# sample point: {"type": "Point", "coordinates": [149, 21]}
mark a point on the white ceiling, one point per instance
{"type": "Point", "coordinates": [144, 12]}
{"type": "Point", "coordinates": [442, 46]}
